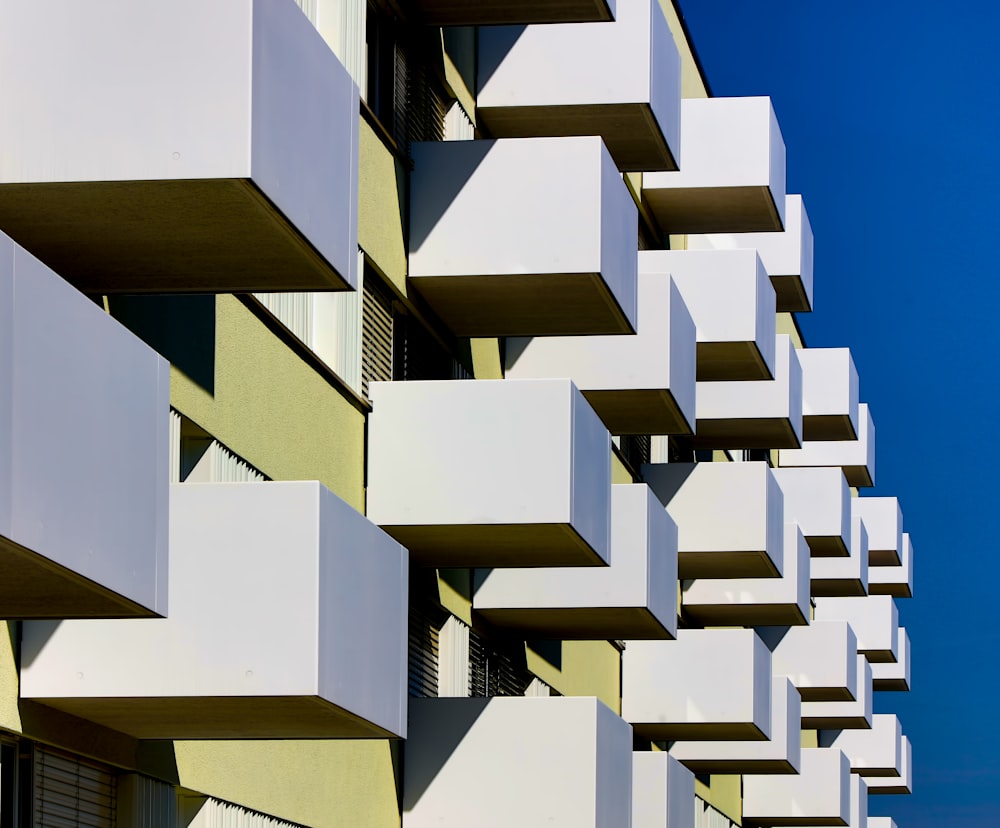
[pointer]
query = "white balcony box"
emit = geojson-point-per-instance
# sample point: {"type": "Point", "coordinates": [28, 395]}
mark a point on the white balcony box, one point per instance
{"type": "Point", "coordinates": [894, 676]}
{"type": "Point", "coordinates": [705, 685]}
{"type": "Point", "coordinates": [731, 302]}
{"type": "Point", "coordinates": [873, 618]}
{"type": "Point", "coordinates": [523, 237]}
{"type": "Point", "coordinates": [662, 792]}
{"type": "Point", "coordinates": [820, 502]}
{"type": "Point", "coordinates": [728, 516]}
{"type": "Point", "coordinates": [502, 12]}
{"type": "Point", "coordinates": [641, 384]}
{"type": "Point", "coordinates": [755, 601]}
{"type": "Point", "coordinates": [620, 80]}
{"type": "Point", "coordinates": [732, 172]}
{"type": "Point", "coordinates": [829, 394]}
{"type": "Point", "coordinates": [819, 795]}
{"type": "Point", "coordinates": [534, 762]}
{"type": "Point", "coordinates": [764, 414]}
{"type": "Point", "coordinates": [880, 822]}
{"type": "Point", "coordinates": [84, 421]}
{"type": "Point", "coordinates": [287, 620]}
{"type": "Point", "coordinates": [787, 255]}
{"type": "Point", "coordinates": [490, 472]}
{"type": "Point", "coordinates": [843, 577]}
{"type": "Point", "coordinates": [859, 802]}
{"type": "Point", "coordinates": [185, 146]}
{"type": "Point", "coordinates": [874, 752]}
{"type": "Point", "coordinates": [903, 784]}
{"type": "Point", "coordinates": [894, 580]}
{"type": "Point", "coordinates": [855, 457]}
{"type": "Point", "coordinates": [634, 597]}
{"type": "Point", "coordinates": [779, 754]}
{"type": "Point", "coordinates": [884, 521]}
{"type": "Point", "coordinates": [820, 659]}
{"type": "Point", "coordinates": [844, 715]}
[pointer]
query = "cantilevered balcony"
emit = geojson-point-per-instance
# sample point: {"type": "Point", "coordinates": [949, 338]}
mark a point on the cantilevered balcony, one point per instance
{"type": "Point", "coordinates": [634, 597]}
{"type": "Point", "coordinates": [874, 620]}
{"type": "Point", "coordinates": [287, 620]}
{"type": "Point", "coordinates": [533, 762]}
{"type": "Point", "coordinates": [523, 237]}
{"type": "Point", "coordinates": [620, 80]}
{"type": "Point", "coordinates": [728, 515]}
{"type": "Point", "coordinates": [732, 304]}
{"type": "Point", "coordinates": [894, 676]}
{"type": "Point", "coordinates": [874, 752]}
{"type": "Point", "coordinates": [662, 792]}
{"type": "Point", "coordinates": [84, 420]}
{"type": "Point", "coordinates": [765, 414]}
{"type": "Point", "coordinates": [779, 754]}
{"type": "Point", "coordinates": [513, 12]}
{"type": "Point", "coordinates": [844, 715]}
{"type": "Point", "coordinates": [884, 520]}
{"type": "Point", "coordinates": [820, 659]}
{"type": "Point", "coordinates": [855, 457]}
{"type": "Point", "coordinates": [819, 795]}
{"type": "Point", "coordinates": [787, 255]}
{"type": "Point", "coordinates": [859, 802]}
{"type": "Point", "coordinates": [490, 473]}
{"type": "Point", "coordinates": [843, 577]}
{"type": "Point", "coordinates": [820, 502]}
{"type": "Point", "coordinates": [755, 601]}
{"type": "Point", "coordinates": [894, 580]}
{"type": "Point", "coordinates": [641, 384]}
{"type": "Point", "coordinates": [732, 170]}
{"type": "Point", "coordinates": [829, 394]}
{"type": "Point", "coordinates": [902, 784]}
{"type": "Point", "coordinates": [183, 146]}
{"type": "Point", "coordinates": [706, 685]}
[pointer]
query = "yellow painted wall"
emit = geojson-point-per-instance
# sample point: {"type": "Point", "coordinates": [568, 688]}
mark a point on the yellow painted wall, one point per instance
{"type": "Point", "coordinates": [725, 794]}
{"type": "Point", "coordinates": [692, 83]}
{"type": "Point", "coordinates": [584, 668]}
{"type": "Point", "coordinates": [382, 207]}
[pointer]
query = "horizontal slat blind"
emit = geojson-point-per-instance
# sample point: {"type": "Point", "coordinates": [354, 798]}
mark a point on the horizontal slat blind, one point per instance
{"type": "Point", "coordinates": [71, 792]}
{"type": "Point", "coordinates": [424, 656]}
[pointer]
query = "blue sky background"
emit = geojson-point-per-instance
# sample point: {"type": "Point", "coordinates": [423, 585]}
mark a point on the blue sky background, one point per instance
{"type": "Point", "coordinates": [890, 116]}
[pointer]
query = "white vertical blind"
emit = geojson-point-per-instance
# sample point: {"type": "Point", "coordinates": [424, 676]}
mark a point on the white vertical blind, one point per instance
{"type": "Point", "coordinates": [342, 24]}
{"type": "Point", "coordinates": [146, 803]}
{"type": "Point", "coordinates": [212, 813]}
{"type": "Point", "coordinates": [659, 449]}
{"type": "Point", "coordinates": [453, 658]}
{"type": "Point", "coordinates": [457, 124]}
{"type": "Point", "coordinates": [175, 447]}
{"type": "Point", "coordinates": [537, 687]}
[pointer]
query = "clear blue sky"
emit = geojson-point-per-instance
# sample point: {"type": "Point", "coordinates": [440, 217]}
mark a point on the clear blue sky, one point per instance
{"type": "Point", "coordinates": [891, 122]}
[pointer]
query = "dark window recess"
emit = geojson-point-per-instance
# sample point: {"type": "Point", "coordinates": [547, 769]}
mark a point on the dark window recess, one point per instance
{"type": "Point", "coordinates": [376, 332]}
{"type": "Point", "coordinates": [495, 670]}
{"type": "Point", "coordinates": [635, 449]}
{"type": "Point", "coordinates": [418, 355]}
{"type": "Point", "coordinates": [647, 239]}
{"type": "Point", "coordinates": [72, 792]}
{"type": "Point", "coordinates": [757, 454]}
{"type": "Point", "coordinates": [424, 660]}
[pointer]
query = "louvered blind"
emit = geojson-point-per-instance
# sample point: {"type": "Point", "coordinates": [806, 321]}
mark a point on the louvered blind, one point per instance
{"type": "Point", "coordinates": [705, 816]}
{"type": "Point", "coordinates": [70, 792]}
{"type": "Point", "coordinates": [424, 651]}
{"type": "Point", "coordinates": [376, 333]}
{"type": "Point", "coordinates": [635, 448]}
{"type": "Point", "coordinates": [146, 803]}
{"type": "Point", "coordinates": [495, 671]}
{"type": "Point", "coordinates": [211, 813]}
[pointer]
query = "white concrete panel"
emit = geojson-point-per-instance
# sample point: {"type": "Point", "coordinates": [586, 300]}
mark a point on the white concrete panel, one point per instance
{"type": "Point", "coordinates": [844, 715]}
{"type": "Point", "coordinates": [855, 457]}
{"type": "Point", "coordinates": [707, 684]}
{"type": "Point", "coordinates": [884, 520]}
{"type": "Point", "coordinates": [819, 500]}
{"type": "Point", "coordinates": [729, 517]}
{"type": "Point", "coordinates": [873, 618]}
{"type": "Point", "coordinates": [859, 802]}
{"type": "Point", "coordinates": [903, 784]}
{"type": "Point", "coordinates": [829, 394]}
{"type": "Point", "coordinates": [732, 303]}
{"type": "Point", "coordinates": [662, 792]}
{"type": "Point", "coordinates": [819, 795]}
{"type": "Point", "coordinates": [634, 597]}
{"type": "Point", "coordinates": [553, 762]}
{"type": "Point", "coordinates": [894, 676]}
{"type": "Point", "coordinates": [641, 384]}
{"type": "Point", "coordinates": [820, 659]}
{"type": "Point", "coordinates": [880, 822]}
{"type": "Point", "coordinates": [843, 577]}
{"type": "Point", "coordinates": [490, 473]}
{"type": "Point", "coordinates": [328, 658]}
{"type": "Point", "coordinates": [874, 752]}
{"type": "Point", "coordinates": [894, 580]}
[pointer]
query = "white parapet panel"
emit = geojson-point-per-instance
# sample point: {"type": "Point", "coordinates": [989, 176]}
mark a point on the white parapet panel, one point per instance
{"type": "Point", "coordinates": [844, 715]}
{"type": "Point", "coordinates": [879, 822]}
{"type": "Point", "coordinates": [513, 12]}
{"type": "Point", "coordinates": [766, 414]}
{"type": "Point", "coordinates": [641, 384]}
{"type": "Point", "coordinates": [554, 762]}
{"type": "Point", "coordinates": [705, 685]}
{"type": "Point", "coordinates": [326, 659]}
{"type": "Point", "coordinates": [903, 784]}
{"type": "Point", "coordinates": [620, 80]}
{"type": "Point", "coordinates": [523, 237]}
{"type": "Point", "coordinates": [732, 171]}
{"type": "Point", "coordinates": [490, 472]}
{"type": "Point", "coordinates": [859, 802]}
{"type": "Point", "coordinates": [873, 618]}
{"type": "Point", "coordinates": [728, 515]}
{"type": "Point", "coordinates": [779, 754]}
{"type": "Point", "coordinates": [855, 457]}
{"type": "Point", "coordinates": [843, 577]}
{"type": "Point", "coordinates": [84, 453]}
{"type": "Point", "coordinates": [787, 255]}
{"type": "Point", "coordinates": [829, 394]}
{"type": "Point", "coordinates": [874, 752]}
{"type": "Point", "coordinates": [894, 580]}
{"type": "Point", "coordinates": [753, 602]}
{"type": "Point", "coordinates": [634, 597]}
{"type": "Point", "coordinates": [894, 676]}
{"type": "Point", "coordinates": [884, 521]}
{"type": "Point", "coordinates": [224, 158]}
{"type": "Point", "coordinates": [820, 659]}
{"type": "Point", "coordinates": [819, 500]}
{"type": "Point", "coordinates": [731, 301]}
{"type": "Point", "coordinates": [662, 792]}
{"type": "Point", "coordinates": [820, 794]}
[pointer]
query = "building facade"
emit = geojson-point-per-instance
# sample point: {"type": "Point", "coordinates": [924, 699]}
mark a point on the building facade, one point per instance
{"type": "Point", "coordinates": [404, 421]}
